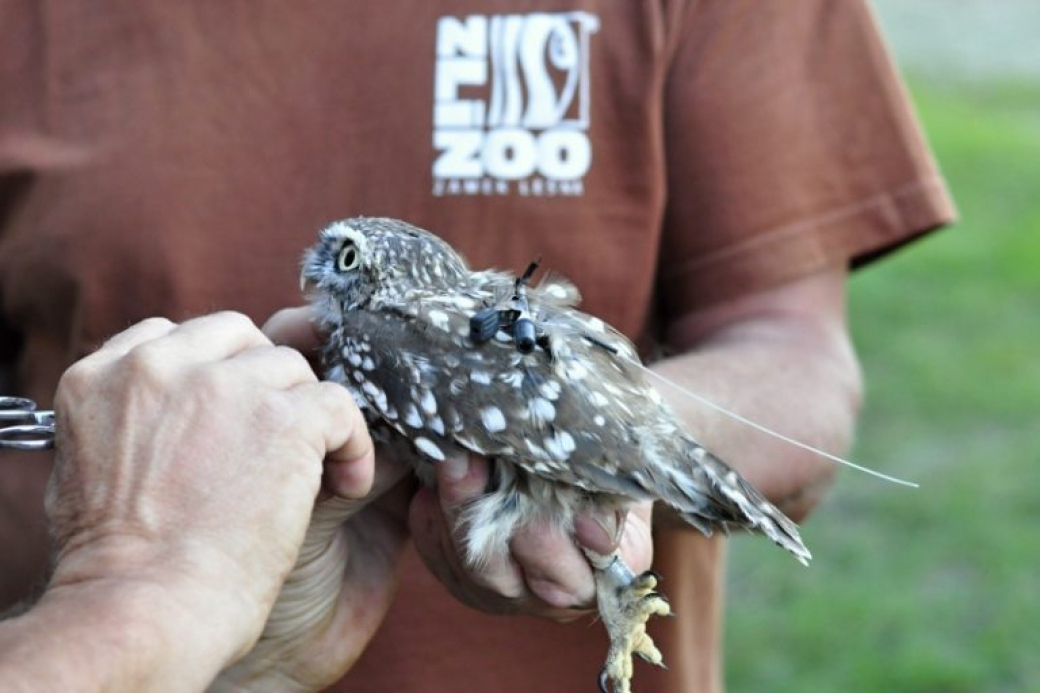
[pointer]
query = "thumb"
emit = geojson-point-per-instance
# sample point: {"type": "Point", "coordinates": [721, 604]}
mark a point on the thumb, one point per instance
{"type": "Point", "coordinates": [460, 478]}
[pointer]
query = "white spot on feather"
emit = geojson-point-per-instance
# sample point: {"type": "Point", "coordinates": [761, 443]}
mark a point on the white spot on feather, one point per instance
{"type": "Point", "coordinates": [550, 389]}
{"type": "Point", "coordinates": [566, 441]}
{"type": "Point", "coordinates": [439, 319]}
{"type": "Point", "coordinates": [576, 371]}
{"type": "Point", "coordinates": [429, 448]}
{"type": "Point", "coordinates": [553, 447]}
{"type": "Point", "coordinates": [482, 377]}
{"type": "Point", "coordinates": [534, 448]}
{"type": "Point", "coordinates": [493, 419]}
{"type": "Point", "coordinates": [514, 378]}
{"type": "Point", "coordinates": [374, 393]}
{"type": "Point", "coordinates": [465, 303]}
{"type": "Point", "coordinates": [428, 402]}
{"type": "Point", "coordinates": [411, 416]}
{"type": "Point", "coordinates": [542, 409]}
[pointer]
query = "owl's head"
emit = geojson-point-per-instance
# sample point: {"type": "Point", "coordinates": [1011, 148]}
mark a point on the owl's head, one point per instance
{"type": "Point", "coordinates": [361, 259]}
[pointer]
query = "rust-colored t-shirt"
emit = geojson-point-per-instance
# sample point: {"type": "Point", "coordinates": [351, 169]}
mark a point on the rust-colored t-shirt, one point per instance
{"type": "Point", "coordinates": [174, 158]}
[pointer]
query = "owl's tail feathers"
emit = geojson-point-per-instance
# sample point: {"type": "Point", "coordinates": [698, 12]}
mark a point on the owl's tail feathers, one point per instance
{"type": "Point", "coordinates": [721, 498]}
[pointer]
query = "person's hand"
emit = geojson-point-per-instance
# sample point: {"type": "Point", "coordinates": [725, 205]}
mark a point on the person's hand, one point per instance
{"type": "Point", "coordinates": [188, 461]}
{"type": "Point", "coordinates": [345, 578]}
{"type": "Point", "coordinates": [546, 573]}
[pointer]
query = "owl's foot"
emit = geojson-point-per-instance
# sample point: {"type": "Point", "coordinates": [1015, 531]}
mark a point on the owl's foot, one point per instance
{"type": "Point", "coordinates": [626, 602]}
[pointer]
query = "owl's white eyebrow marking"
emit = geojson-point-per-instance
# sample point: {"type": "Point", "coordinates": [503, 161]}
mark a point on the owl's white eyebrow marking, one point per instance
{"type": "Point", "coordinates": [338, 230]}
{"type": "Point", "coordinates": [493, 419]}
{"type": "Point", "coordinates": [430, 448]}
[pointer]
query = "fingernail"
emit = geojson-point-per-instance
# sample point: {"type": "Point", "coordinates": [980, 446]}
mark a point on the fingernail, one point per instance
{"type": "Point", "coordinates": [597, 531]}
{"type": "Point", "coordinates": [456, 466]}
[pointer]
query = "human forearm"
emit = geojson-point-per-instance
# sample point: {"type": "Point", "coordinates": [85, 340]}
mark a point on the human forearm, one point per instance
{"type": "Point", "coordinates": [119, 635]}
{"type": "Point", "coordinates": [793, 370]}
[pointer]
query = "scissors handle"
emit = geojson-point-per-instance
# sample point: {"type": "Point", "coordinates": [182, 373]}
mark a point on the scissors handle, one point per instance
{"type": "Point", "coordinates": [30, 429]}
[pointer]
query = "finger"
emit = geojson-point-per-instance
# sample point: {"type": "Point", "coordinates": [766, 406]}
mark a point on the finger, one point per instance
{"type": "Point", "coordinates": [213, 337]}
{"type": "Point", "coordinates": [637, 540]}
{"type": "Point", "coordinates": [389, 474]}
{"type": "Point", "coordinates": [145, 331]}
{"type": "Point", "coordinates": [350, 454]}
{"type": "Point", "coordinates": [275, 366]}
{"type": "Point", "coordinates": [599, 531]}
{"type": "Point", "coordinates": [553, 566]}
{"type": "Point", "coordinates": [461, 478]}
{"type": "Point", "coordinates": [295, 327]}
{"type": "Point", "coordinates": [434, 536]}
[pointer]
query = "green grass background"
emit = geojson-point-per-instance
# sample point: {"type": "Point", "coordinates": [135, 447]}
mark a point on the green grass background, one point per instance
{"type": "Point", "coordinates": [935, 589]}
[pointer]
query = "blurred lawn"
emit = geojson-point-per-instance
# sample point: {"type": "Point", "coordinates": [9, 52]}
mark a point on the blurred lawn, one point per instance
{"type": "Point", "coordinates": [936, 589]}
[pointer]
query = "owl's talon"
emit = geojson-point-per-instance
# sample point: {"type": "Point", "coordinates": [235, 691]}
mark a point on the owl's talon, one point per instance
{"type": "Point", "coordinates": [626, 603]}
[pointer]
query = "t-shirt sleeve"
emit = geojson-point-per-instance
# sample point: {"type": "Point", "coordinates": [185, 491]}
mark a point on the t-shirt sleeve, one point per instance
{"type": "Point", "coordinates": [790, 145]}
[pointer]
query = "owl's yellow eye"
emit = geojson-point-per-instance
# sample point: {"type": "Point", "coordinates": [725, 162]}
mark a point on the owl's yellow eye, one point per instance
{"type": "Point", "coordinates": [349, 258]}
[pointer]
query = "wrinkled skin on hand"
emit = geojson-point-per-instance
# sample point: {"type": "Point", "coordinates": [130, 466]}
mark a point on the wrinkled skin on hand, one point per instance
{"type": "Point", "coordinates": [345, 577]}
{"type": "Point", "coordinates": [188, 460]}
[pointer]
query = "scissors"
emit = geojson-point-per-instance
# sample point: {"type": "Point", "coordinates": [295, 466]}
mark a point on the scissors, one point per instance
{"type": "Point", "coordinates": [23, 426]}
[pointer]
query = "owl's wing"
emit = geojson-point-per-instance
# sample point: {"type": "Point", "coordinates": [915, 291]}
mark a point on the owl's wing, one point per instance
{"type": "Point", "coordinates": [573, 417]}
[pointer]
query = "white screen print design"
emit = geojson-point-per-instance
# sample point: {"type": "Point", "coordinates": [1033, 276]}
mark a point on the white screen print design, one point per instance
{"type": "Point", "coordinates": [511, 104]}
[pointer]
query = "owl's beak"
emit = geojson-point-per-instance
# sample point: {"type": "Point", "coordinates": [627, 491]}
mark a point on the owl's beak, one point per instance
{"type": "Point", "coordinates": [306, 284]}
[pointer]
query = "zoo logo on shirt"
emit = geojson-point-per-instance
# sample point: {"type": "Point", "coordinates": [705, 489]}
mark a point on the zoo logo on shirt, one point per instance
{"type": "Point", "coordinates": [511, 104]}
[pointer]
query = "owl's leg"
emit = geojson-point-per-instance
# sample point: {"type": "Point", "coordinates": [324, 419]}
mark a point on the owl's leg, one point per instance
{"type": "Point", "coordinates": [626, 602]}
